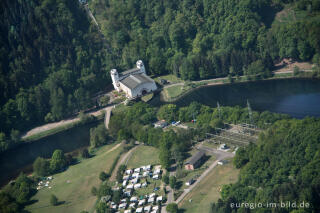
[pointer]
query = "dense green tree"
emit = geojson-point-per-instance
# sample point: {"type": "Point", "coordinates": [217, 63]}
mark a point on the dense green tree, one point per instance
{"type": "Point", "coordinates": [41, 167]}
{"type": "Point", "coordinates": [172, 208]}
{"type": "Point", "coordinates": [103, 176]}
{"type": "Point", "coordinates": [98, 136]}
{"type": "Point", "coordinates": [58, 161]}
{"type": "Point", "coordinates": [173, 182]}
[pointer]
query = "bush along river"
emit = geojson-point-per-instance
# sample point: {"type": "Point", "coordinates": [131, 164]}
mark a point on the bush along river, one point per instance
{"type": "Point", "coordinates": [297, 97]}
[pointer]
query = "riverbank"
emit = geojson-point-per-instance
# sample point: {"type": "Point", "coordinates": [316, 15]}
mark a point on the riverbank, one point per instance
{"type": "Point", "coordinates": [175, 91]}
{"type": "Point", "coordinates": [63, 125]}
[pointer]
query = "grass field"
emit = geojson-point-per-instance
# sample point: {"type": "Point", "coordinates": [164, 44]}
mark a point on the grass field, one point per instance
{"type": "Point", "coordinates": [208, 189]}
{"type": "Point", "coordinates": [73, 187]}
{"type": "Point", "coordinates": [174, 91]}
{"type": "Point", "coordinates": [170, 78]}
{"type": "Point", "coordinates": [142, 156]}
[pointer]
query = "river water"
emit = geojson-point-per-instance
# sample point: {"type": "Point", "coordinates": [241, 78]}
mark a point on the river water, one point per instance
{"type": "Point", "coordinates": [20, 158]}
{"type": "Point", "coordinates": [296, 97]}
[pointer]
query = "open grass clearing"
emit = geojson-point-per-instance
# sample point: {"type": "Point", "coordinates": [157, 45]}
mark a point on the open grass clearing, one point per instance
{"type": "Point", "coordinates": [142, 156]}
{"type": "Point", "coordinates": [73, 186]}
{"type": "Point", "coordinates": [174, 91]}
{"type": "Point", "coordinates": [208, 190]}
{"type": "Point", "coordinates": [170, 78]}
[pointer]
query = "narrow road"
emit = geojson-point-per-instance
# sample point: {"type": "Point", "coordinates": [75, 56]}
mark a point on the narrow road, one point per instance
{"type": "Point", "coordinates": [107, 116]}
{"type": "Point", "coordinates": [123, 160]}
{"type": "Point", "coordinates": [54, 125]}
{"type": "Point", "coordinates": [220, 156]}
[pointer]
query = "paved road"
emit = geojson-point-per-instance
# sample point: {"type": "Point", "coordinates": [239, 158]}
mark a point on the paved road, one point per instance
{"type": "Point", "coordinates": [220, 156]}
{"type": "Point", "coordinates": [107, 116]}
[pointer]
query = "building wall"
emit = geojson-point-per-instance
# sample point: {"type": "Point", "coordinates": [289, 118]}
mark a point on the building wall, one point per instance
{"type": "Point", "coordinates": [146, 86]}
{"type": "Point", "coordinates": [126, 90]}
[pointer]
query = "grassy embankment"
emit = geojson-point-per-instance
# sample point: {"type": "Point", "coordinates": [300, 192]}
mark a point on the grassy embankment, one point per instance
{"type": "Point", "coordinates": [73, 186]}
{"type": "Point", "coordinates": [208, 190]}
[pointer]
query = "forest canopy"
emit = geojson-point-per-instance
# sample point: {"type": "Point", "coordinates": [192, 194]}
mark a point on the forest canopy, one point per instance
{"type": "Point", "coordinates": [51, 62]}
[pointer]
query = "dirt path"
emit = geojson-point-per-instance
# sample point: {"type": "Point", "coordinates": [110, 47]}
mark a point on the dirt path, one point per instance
{"type": "Point", "coordinates": [54, 125]}
{"type": "Point", "coordinates": [124, 160]}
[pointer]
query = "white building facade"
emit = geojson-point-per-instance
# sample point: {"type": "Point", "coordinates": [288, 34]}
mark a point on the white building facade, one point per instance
{"type": "Point", "coordinates": [133, 82]}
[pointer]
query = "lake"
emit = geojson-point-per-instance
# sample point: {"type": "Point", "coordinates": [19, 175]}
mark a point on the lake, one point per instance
{"type": "Point", "coordinates": [296, 97]}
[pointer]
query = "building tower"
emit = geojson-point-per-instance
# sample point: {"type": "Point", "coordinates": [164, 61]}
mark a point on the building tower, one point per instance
{"type": "Point", "coordinates": [115, 79]}
{"type": "Point", "coordinates": [141, 66]}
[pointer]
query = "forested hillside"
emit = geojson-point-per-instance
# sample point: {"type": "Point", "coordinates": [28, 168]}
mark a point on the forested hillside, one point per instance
{"type": "Point", "coordinates": [52, 61]}
{"type": "Point", "coordinates": [283, 167]}
{"type": "Point", "coordinates": [209, 38]}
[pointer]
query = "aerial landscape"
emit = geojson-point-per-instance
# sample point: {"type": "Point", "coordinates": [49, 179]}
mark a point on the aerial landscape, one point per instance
{"type": "Point", "coordinates": [145, 106]}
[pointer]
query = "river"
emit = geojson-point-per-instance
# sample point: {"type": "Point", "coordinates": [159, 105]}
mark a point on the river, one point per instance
{"type": "Point", "coordinates": [296, 97]}
{"type": "Point", "coordinates": [20, 158]}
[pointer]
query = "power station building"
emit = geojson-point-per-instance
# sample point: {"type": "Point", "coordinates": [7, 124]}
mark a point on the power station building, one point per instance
{"type": "Point", "coordinates": [133, 82]}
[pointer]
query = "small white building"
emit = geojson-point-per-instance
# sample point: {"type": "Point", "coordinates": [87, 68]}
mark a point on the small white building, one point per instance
{"type": "Point", "coordinates": [133, 199]}
{"type": "Point", "coordinates": [127, 211]}
{"type": "Point", "coordinates": [127, 193]}
{"type": "Point", "coordinates": [124, 183]}
{"type": "Point", "coordinates": [157, 172]}
{"type": "Point", "coordinates": [160, 124]}
{"type": "Point", "coordinates": [130, 186]}
{"type": "Point", "coordinates": [129, 171]}
{"type": "Point", "coordinates": [189, 182]}
{"type": "Point", "coordinates": [133, 82]}
{"type": "Point", "coordinates": [126, 177]}
{"type": "Point", "coordinates": [159, 199]}
{"type": "Point", "coordinates": [132, 205]}
{"type": "Point", "coordinates": [134, 181]}
{"type": "Point", "coordinates": [137, 170]}
{"type": "Point", "coordinates": [152, 195]}
{"type": "Point", "coordinates": [139, 210]}
{"type": "Point", "coordinates": [137, 186]}
{"type": "Point", "coordinates": [135, 175]}
{"type": "Point", "coordinates": [156, 177]}
{"type": "Point", "coordinates": [144, 184]}
{"type": "Point", "coordinates": [147, 208]}
{"type": "Point", "coordinates": [151, 200]}
{"type": "Point", "coordinates": [222, 162]}
{"type": "Point", "coordinates": [122, 205]}
{"type": "Point", "coordinates": [142, 202]}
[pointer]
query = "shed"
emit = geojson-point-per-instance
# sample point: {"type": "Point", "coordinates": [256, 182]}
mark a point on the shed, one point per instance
{"type": "Point", "coordinates": [132, 205]}
{"type": "Point", "coordinates": [133, 199]}
{"type": "Point", "coordinates": [130, 186]}
{"type": "Point", "coordinates": [139, 210]}
{"type": "Point", "coordinates": [159, 199]}
{"type": "Point", "coordinates": [195, 161]}
{"type": "Point", "coordinates": [147, 208]}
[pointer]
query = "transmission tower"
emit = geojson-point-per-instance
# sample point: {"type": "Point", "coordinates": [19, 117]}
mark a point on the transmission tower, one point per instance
{"type": "Point", "coordinates": [219, 110]}
{"type": "Point", "coordinates": [250, 112]}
